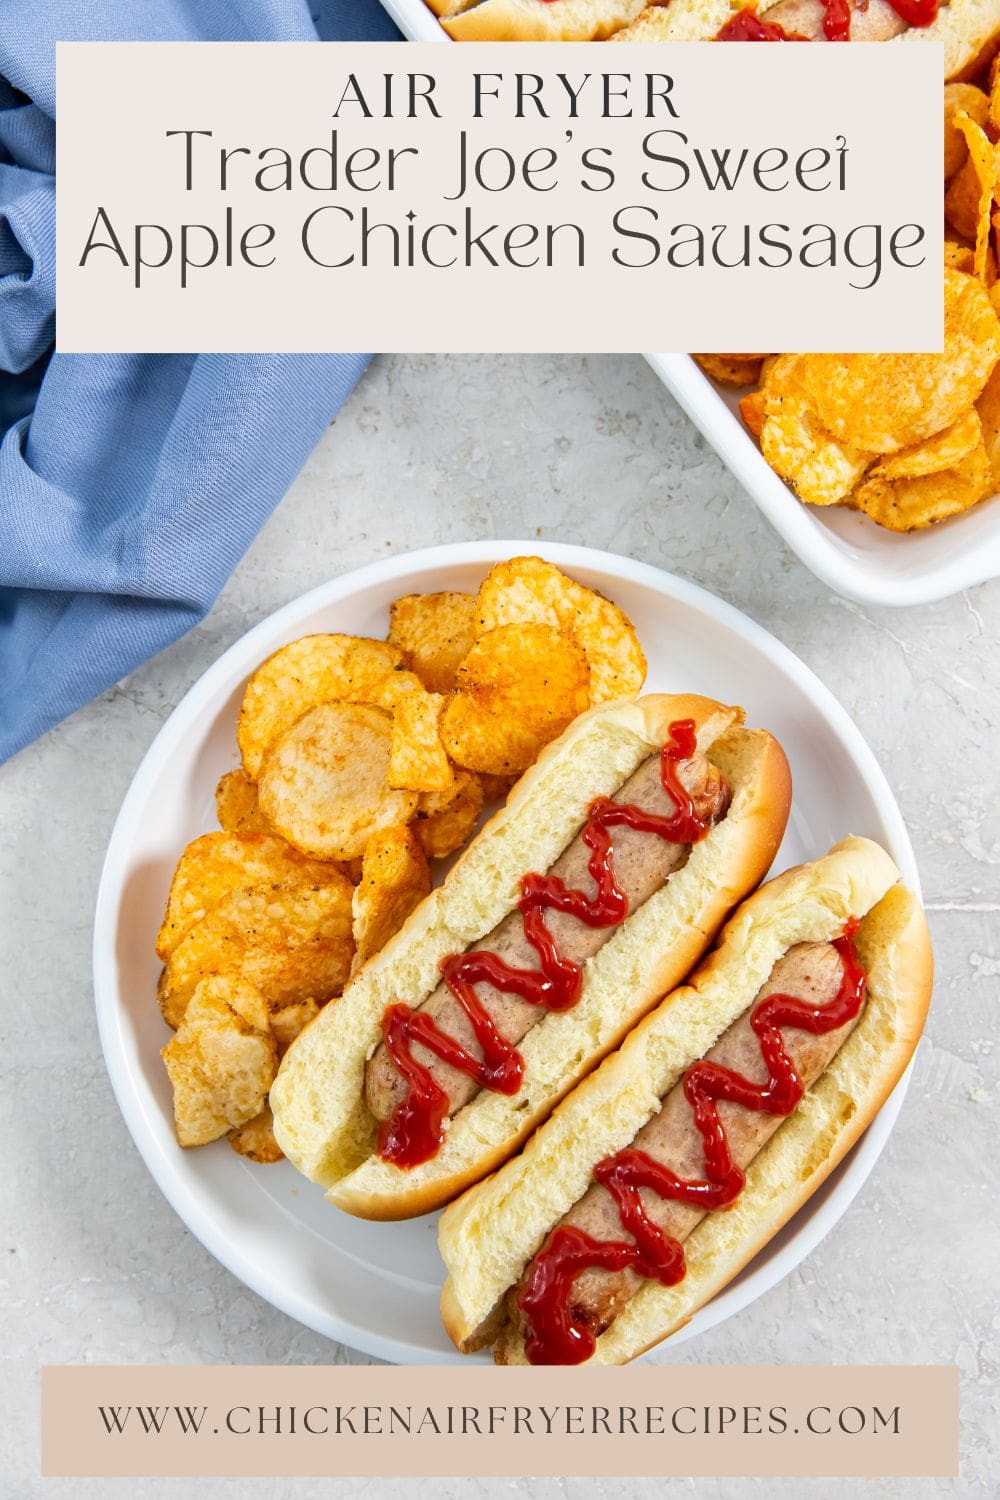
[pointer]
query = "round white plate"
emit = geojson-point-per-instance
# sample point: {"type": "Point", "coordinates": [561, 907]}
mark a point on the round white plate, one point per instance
{"type": "Point", "coordinates": [375, 1286]}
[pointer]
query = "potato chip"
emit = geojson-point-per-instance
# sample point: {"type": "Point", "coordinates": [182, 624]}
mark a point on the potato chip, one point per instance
{"type": "Point", "coordinates": [527, 590]}
{"type": "Point", "coordinates": [796, 445]}
{"type": "Point", "coordinates": [290, 1020]}
{"type": "Point", "coordinates": [730, 369]}
{"type": "Point", "coordinates": [391, 691]}
{"type": "Point", "coordinates": [752, 412]}
{"type": "Point", "coordinates": [417, 759]}
{"type": "Point", "coordinates": [293, 942]}
{"type": "Point", "coordinates": [962, 98]}
{"type": "Point", "coordinates": [959, 257]}
{"type": "Point", "coordinates": [988, 410]}
{"type": "Point", "coordinates": [394, 880]}
{"type": "Point", "coordinates": [315, 669]}
{"type": "Point", "coordinates": [255, 1140]}
{"type": "Point", "coordinates": [495, 788]}
{"type": "Point", "coordinates": [435, 631]}
{"type": "Point", "coordinates": [908, 504]}
{"type": "Point", "coordinates": [236, 804]}
{"type": "Point", "coordinates": [517, 689]}
{"type": "Point", "coordinates": [969, 200]}
{"type": "Point", "coordinates": [323, 784]}
{"type": "Point", "coordinates": [222, 1061]}
{"type": "Point", "coordinates": [942, 451]}
{"type": "Point", "coordinates": [961, 206]}
{"type": "Point", "coordinates": [883, 402]}
{"type": "Point", "coordinates": [218, 863]}
{"type": "Point", "coordinates": [446, 820]}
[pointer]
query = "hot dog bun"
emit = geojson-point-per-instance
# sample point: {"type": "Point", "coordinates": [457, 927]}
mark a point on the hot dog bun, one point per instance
{"type": "Point", "coordinates": [968, 29]}
{"type": "Point", "coordinates": [535, 20]}
{"type": "Point", "coordinates": [321, 1119]}
{"type": "Point", "coordinates": [489, 1236]}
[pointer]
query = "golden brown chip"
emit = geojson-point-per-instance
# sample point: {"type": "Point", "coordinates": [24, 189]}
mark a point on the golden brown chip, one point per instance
{"type": "Point", "coordinates": [435, 631]}
{"type": "Point", "coordinates": [883, 402]}
{"type": "Point", "coordinates": [417, 759]}
{"type": "Point", "coordinates": [217, 863]}
{"type": "Point", "coordinates": [527, 590]}
{"type": "Point", "coordinates": [391, 691]}
{"type": "Point", "coordinates": [908, 504]}
{"type": "Point", "coordinates": [731, 369]}
{"type": "Point", "coordinates": [960, 98]}
{"type": "Point", "coordinates": [961, 205]}
{"type": "Point", "coordinates": [315, 669]}
{"type": "Point", "coordinates": [517, 689]}
{"type": "Point", "coordinates": [752, 412]}
{"type": "Point", "coordinates": [394, 880]}
{"type": "Point", "coordinates": [960, 257]}
{"type": "Point", "coordinates": [323, 784]}
{"type": "Point", "coordinates": [942, 451]}
{"type": "Point", "coordinates": [988, 409]}
{"type": "Point", "coordinates": [255, 1140]}
{"type": "Point", "coordinates": [969, 200]}
{"type": "Point", "coordinates": [797, 446]}
{"type": "Point", "coordinates": [236, 804]}
{"type": "Point", "coordinates": [222, 1061]}
{"type": "Point", "coordinates": [446, 820]}
{"type": "Point", "coordinates": [292, 942]}
{"type": "Point", "coordinates": [289, 1020]}
{"type": "Point", "coordinates": [495, 788]}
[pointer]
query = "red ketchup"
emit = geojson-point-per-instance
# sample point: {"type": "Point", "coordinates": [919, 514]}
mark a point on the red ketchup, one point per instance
{"type": "Point", "coordinates": [746, 25]}
{"type": "Point", "coordinates": [837, 21]}
{"type": "Point", "coordinates": [415, 1130]}
{"type": "Point", "coordinates": [916, 12]}
{"type": "Point", "coordinates": [554, 1338]}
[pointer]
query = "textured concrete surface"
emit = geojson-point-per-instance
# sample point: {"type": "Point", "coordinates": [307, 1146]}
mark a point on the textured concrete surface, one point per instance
{"type": "Point", "coordinates": [95, 1265]}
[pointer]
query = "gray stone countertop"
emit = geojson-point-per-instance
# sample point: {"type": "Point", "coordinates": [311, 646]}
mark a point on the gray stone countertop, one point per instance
{"type": "Point", "coordinates": [96, 1266]}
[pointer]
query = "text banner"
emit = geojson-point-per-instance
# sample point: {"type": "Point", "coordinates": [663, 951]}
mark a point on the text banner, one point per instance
{"type": "Point", "coordinates": [398, 196]}
{"type": "Point", "coordinates": [479, 1420]}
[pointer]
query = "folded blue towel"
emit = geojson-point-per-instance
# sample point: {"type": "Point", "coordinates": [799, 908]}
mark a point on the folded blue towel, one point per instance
{"type": "Point", "coordinates": [130, 485]}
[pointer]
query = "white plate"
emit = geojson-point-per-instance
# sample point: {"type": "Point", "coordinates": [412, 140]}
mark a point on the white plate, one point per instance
{"type": "Point", "coordinates": [375, 1286]}
{"type": "Point", "coordinates": [847, 551]}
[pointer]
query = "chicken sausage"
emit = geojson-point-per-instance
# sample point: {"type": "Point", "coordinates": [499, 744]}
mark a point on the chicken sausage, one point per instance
{"type": "Point", "coordinates": [642, 864]}
{"type": "Point", "coordinates": [875, 21]}
{"type": "Point", "coordinates": [810, 971]}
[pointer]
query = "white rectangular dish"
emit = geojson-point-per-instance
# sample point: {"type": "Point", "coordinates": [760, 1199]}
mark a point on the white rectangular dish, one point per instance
{"type": "Point", "coordinates": [416, 21]}
{"type": "Point", "coordinates": [848, 552]}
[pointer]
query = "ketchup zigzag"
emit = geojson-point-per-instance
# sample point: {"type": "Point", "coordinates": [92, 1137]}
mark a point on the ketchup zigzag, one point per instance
{"type": "Point", "coordinates": [554, 1337]}
{"type": "Point", "coordinates": [414, 1132]}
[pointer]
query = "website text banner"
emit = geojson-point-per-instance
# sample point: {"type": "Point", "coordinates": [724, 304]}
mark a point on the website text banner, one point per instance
{"type": "Point", "coordinates": [479, 1420]}
{"type": "Point", "coordinates": [402, 196]}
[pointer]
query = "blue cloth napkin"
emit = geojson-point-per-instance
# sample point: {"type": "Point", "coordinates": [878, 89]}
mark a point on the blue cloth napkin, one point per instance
{"type": "Point", "coordinates": [130, 485]}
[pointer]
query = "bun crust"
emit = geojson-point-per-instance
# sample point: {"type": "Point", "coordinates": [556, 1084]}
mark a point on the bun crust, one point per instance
{"type": "Point", "coordinates": [490, 1235]}
{"type": "Point", "coordinates": [321, 1119]}
{"type": "Point", "coordinates": [530, 21]}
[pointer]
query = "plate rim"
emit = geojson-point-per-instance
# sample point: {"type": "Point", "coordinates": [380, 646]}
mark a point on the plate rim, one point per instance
{"type": "Point", "coordinates": [164, 1168]}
